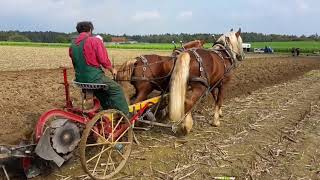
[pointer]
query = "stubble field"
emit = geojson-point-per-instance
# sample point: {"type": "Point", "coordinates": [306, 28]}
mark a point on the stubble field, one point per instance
{"type": "Point", "coordinates": [270, 128]}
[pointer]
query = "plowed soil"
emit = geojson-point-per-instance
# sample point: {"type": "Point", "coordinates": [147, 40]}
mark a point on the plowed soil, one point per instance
{"type": "Point", "coordinates": [270, 129]}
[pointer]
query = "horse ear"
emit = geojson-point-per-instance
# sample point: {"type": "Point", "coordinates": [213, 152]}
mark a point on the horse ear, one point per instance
{"type": "Point", "coordinates": [238, 33]}
{"type": "Point", "coordinates": [231, 29]}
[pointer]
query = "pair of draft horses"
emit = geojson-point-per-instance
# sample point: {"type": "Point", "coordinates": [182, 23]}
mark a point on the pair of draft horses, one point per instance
{"type": "Point", "coordinates": [193, 69]}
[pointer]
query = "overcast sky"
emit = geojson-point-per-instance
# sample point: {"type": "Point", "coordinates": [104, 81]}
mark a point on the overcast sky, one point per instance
{"type": "Point", "coordinates": [163, 16]}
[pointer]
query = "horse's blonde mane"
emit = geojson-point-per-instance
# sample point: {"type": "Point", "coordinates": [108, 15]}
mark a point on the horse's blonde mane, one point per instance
{"type": "Point", "coordinates": [222, 39]}
{"type": "Point", "coordinates": [125, 71]}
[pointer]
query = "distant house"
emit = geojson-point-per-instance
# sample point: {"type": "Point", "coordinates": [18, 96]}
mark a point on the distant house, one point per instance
{"type": "Point", "coordinates": [132, 42]}
{"type": "Point", "coordinates": [119, 40]}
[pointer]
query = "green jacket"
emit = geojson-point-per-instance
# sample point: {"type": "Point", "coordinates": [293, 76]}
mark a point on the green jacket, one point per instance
{"type": "Point", "coordinates": [83, 72]}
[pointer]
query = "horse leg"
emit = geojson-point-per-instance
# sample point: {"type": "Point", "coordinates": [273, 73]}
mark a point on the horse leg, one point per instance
{"type": "Point", "coordinates": [142, 92]}
{"type": "Point", "coordinates": [134, 97]}
{"type": "Point", "coordinates": [214, 93]}
{"type": "Point", "coordinates": [187, 124]}
{"type": "Point", "coordinates": [215, 121]}
{"type": "Point", "coordinates": [218, 106]}
{"type": "Point", "coordinates": [197, 90]}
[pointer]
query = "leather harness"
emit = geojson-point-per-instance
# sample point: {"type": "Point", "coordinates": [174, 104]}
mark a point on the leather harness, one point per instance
{"type": "Point", "coordinates": [144, 67]}
{"type": "Point", "coordinates": [203, 74]}
{"type": "Point", "coordinates": [204, 78]}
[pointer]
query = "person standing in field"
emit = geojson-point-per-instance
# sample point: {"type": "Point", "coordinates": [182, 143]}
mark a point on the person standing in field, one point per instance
{"type": "Point", "coordinates": [89, 58]}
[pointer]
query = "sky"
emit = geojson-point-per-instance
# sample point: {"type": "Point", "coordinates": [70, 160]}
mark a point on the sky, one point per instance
{"type": "Point", "coordinates": [293, 17]}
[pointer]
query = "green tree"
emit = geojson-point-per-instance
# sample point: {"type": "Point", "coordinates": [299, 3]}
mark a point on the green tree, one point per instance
{"type": "Point", "coordinates": [62, 39]}
{"type": "Point", "coordinates": [18, 38]}
{"type": "Point", "coordinates": [106, 37]}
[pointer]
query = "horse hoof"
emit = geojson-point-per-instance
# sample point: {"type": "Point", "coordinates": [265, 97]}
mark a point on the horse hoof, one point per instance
{"type": "Point", "coordinates": [183, 132]}
{"type": "Point", "coordinates": [188, 124]}
{"type": "Point", "coordinates": [215, 124]}
{"type": "Point", "coordinates": [220, 113]}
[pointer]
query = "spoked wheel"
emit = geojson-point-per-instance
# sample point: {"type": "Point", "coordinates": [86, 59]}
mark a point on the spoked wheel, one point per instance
{"type": "Point", "coordinates": [106, 144]}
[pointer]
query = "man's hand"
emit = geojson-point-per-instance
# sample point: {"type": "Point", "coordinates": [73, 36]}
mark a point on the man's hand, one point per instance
{"type": "Point", "coordinates": [114, 72]}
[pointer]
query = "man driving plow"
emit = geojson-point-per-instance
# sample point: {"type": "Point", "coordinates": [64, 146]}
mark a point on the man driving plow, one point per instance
{"type": "Point", "coordinates": [89, 57]}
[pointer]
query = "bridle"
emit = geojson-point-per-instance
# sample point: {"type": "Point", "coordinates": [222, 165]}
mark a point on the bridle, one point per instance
{"type": "Point", "coordinates": [227, 46]}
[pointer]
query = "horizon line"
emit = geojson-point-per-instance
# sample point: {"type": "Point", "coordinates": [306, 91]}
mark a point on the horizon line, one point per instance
{"type": "Point", "coordinates": [160, 33]}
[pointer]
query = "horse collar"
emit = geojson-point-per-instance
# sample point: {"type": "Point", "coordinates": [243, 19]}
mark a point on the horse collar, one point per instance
{"type": "Point", "coordinates": [228, 52]}
{"type": "Point", "coordinates": [219, 44]}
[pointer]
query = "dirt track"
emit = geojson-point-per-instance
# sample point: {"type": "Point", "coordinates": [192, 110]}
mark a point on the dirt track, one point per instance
{"type": "Point", "coordinates": [270, 124]}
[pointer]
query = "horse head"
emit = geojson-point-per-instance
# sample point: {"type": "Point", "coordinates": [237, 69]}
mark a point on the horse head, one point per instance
{"type": "Point", "coordinates": [232, 41]}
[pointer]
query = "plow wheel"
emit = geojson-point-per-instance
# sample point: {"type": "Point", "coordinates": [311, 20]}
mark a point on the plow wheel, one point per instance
{"type": "Point", "coordinates": [106, 144]}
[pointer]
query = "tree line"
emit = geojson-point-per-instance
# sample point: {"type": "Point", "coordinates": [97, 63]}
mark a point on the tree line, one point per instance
{"type": "Point", "coordinates": [58, 37]}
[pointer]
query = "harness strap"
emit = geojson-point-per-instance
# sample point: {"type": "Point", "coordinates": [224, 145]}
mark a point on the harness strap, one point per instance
{"type": "Point", "coordinates": [224, 49]}
{"type": "Point", "coordinates": [220, 55]}
{"type": "Point", "coordinates": [228, 51]}
{"type": "Point", "coordinates": [145, 65]}
{"type": "Point", "coordinates": [178, 51]}
{"type": "Point", "coordinates": [203, 73]}
{"type": "Point", "coordinates": [135, 78]}
{"type": "Point", "coordinates": [201, 80]}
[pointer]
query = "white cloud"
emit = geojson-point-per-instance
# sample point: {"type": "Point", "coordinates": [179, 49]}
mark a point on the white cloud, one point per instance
{"type": "Point", "coordinates": [146, 16]}
{"type": "Point", "coordinates": [185, 15]}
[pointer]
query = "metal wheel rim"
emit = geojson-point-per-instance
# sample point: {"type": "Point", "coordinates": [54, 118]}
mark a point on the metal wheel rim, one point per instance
{"type": "Point", "coordinates": [83, 146]}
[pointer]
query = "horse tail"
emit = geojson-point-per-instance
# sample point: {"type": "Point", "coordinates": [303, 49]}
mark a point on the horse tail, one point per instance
{"type": "Point", "coordinates": [178, 87]}
{"type": "Point", "coordinates": [124, 77]}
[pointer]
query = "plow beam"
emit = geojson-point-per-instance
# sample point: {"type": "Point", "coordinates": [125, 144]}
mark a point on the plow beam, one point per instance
{"type": "Point", "coordinates": [151, 101]}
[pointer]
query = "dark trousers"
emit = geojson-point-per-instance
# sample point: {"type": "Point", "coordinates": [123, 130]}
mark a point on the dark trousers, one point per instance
{"type": "Point", "coordinates": [112, 97]}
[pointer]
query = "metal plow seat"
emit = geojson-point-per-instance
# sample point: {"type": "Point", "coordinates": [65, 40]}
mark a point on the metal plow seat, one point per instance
{"type": "Point", "coordinates": [87, 92]}
{"type": "Point", "coordinates": [90, 86]}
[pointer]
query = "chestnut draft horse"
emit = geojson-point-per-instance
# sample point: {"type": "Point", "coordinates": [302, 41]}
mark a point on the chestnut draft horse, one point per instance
{"type": "Point", "coordinates": [193, 44]}
{"type": "Point", "coordinates": [149, 72]}
{"type": "Point", "coordinates": [201, 71]}
{"type": "Point", "coordinates": [188, 45]}
{"type": "Point", "coordinates": [146, 73]}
